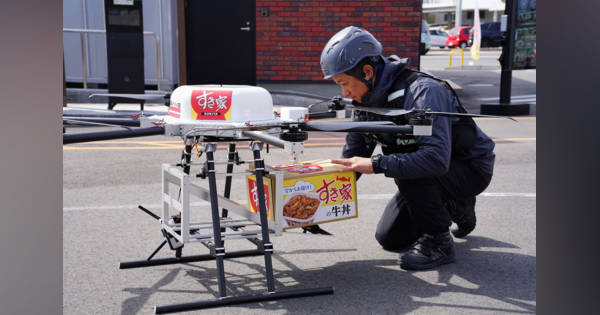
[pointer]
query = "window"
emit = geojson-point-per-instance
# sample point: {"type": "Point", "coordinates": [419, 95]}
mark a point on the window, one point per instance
{"type": "Point", "coordinates": [481, 14]}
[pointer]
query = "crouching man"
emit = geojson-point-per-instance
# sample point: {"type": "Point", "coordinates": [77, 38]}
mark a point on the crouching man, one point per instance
{"type": "Point", "coordinates": [437, 176]}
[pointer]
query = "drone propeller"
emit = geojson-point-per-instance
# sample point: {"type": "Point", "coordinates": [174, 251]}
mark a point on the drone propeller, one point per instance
{"type": "Point", "coordinates": [83, 122]}
{"type": "Point", "coordinates": [114, 134]}
{"type": "Point", "coordinates": [427, 112]}
{"type": "Point", "coordinates": [301, 94]}
{"type": "Point", "coordinates": [381, 110]}
{"type": "Point", "coordinates": [339, 102]}
{"type": "Point", "coordinates": [358, 126]}
{"type": "Point", "coordinates": [143, 97]}
{"type": "Point", "coordinates": [111, 122]}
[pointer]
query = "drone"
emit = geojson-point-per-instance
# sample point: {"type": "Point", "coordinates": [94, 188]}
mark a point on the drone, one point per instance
{"type": "Point", "coordinates": [209, 114]}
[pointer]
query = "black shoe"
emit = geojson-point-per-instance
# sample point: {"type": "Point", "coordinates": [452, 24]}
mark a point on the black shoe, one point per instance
{"type": "Point", "coordinates": [429, 252]}
{"type": "Point", "coordinates": [462, 212]}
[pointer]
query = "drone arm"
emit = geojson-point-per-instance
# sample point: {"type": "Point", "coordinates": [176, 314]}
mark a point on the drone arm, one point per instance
{"type": "Point", "coordinates": [265, 137]}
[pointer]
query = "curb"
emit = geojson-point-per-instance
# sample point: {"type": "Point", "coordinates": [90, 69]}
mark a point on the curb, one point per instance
{"type": "Point", "coordinates": [472, 68]}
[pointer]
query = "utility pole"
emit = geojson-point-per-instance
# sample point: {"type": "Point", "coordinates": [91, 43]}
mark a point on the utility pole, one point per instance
{"type": "Point", "coordinates": [504, 107]}
{"type": "Point", "coordinates": [458, 14]}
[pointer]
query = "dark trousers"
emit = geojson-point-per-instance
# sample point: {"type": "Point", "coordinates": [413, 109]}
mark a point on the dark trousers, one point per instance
{"type": "Point", "coordinates": [419, 206]}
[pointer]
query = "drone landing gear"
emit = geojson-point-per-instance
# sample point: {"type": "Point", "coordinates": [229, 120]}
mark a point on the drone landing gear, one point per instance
{"type": "Point", "coordinates": [215, 243]}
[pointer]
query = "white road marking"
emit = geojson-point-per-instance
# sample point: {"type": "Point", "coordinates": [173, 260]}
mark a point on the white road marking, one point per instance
{"type": "Point", "coordinates": [519, 97]}
{"type": "Point", "coordinates": [147, 206]}
{"type": "Point", "coordinates": [205, 203]}
{"type": "Point", "coordinates": [524, 195]}
{"type": "Point", "coordinates": [484, 194]}
{"type": "Point", "coordinates": [480, 84]}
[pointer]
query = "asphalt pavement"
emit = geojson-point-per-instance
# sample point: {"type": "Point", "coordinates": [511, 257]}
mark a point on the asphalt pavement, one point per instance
{"type": "Point", "coordinates": [103, 182]}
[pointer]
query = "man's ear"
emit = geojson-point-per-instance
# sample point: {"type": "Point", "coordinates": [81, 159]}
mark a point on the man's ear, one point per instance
{"type": "Point", "coordinates": [368, 72]}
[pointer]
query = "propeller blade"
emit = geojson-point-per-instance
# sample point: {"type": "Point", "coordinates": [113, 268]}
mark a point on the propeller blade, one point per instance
{"type": "Point", "coordinates": [110, 135]}
{"type": "Point", "coordinates": [400, 112]}
{"type": "Point", "coordinates": [144, 97]}
{"type": "Point", "coordinates": [112, 122]}
{"type": "Point", "coordinates": [81, 122]}
{"type": "Point", "coordinates": [382, 110]}
{"type": "Point", "coordinates": [299, 93]}
{"type": "Point", "coordinates": [468, 115]}
{"type": "Point", "coordinates": [359, 126]}
{"type": "Point", "coordinates": [75, 112]}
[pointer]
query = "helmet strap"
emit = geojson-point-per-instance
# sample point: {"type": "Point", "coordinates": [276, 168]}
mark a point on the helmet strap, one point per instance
{"type": "Point", "coordinates": [368, 83]}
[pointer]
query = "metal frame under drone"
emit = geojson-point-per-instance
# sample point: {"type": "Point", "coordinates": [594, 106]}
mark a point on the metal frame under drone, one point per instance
{"type": "Point", "coordinates": [222, 226]}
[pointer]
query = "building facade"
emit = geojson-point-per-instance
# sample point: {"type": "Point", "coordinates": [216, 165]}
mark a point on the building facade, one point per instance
{"type": "Point", "coordinates": [286, 38]}
{"type": "Point", "coordinates": [289, 40]}
{"type": "Point", "coordinates": [443, 12]}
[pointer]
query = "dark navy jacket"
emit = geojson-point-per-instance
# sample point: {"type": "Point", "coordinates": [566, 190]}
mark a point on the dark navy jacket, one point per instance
{"type": "Point", "coordinates": [407, 157]}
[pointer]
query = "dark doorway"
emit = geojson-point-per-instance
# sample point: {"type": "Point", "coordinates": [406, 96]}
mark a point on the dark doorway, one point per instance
{"type": "Point", "coordinates": [220, 42]}
{"type": "Point", "coordinates": [125, 50]}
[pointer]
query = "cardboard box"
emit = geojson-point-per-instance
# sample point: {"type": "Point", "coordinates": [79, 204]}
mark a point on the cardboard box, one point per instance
{"type": "Point", "coordinates": [314, 192]}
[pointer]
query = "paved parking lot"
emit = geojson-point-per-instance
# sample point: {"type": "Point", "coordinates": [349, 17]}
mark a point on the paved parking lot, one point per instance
{"type": "Point", "coordinates": [105, 181]}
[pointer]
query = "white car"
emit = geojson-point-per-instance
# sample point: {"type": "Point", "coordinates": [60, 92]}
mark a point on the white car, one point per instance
{"type": "Point", "coordinates": [424, 46]}
{"type": "Point", "coordinates": [437, 38]}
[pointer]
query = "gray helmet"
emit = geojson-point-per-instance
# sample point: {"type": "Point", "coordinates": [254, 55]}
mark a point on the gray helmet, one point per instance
{"type": "Point", "coordinates": [346, 49]}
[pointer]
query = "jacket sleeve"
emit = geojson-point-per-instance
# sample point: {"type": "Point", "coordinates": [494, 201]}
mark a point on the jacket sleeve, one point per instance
{"type": "Point", "coordinates": [358, 145]}
{"type": "Point", "coordinates": [432, 158]}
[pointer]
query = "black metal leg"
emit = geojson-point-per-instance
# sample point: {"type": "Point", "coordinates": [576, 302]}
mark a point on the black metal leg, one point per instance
{"type": "Point", "coordinates": [212, 184]}
{"type": "Point", "coordinates": [187, 156]}
{"type": "Point", "coordinates": [259, 166]}
{"type": "Point", "coordinates": [230, 160]}
{"type": "Point", "coordinates": [227, 192]}
{"type": "Point", "coordinates": [185, 259]}
{"type": "Point", "coordinates": [241, 299]}
{"type": "Point", "coordinates": [157, 249]}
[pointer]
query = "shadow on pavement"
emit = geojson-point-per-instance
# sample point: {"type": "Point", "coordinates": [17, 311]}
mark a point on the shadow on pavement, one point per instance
{"type": "Point", "coordinates": [484, 270]}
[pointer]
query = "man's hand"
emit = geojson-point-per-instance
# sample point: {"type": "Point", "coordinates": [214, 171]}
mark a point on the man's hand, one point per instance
{"type": "Point", "coordinates": [357, 164]}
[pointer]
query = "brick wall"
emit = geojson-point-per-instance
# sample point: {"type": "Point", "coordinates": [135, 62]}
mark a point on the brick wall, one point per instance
{"type": "Point", "coordinates": [290, 39]}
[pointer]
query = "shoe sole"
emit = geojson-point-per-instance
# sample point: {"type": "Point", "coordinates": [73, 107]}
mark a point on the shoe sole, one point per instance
{"type": "Point", "coordinates": [446, 260]}
{"type": "Point", "coordinates": [461, 233]}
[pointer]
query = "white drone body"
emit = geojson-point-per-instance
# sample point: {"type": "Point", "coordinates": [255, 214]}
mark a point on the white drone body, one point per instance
{"type": "Point", "coordinates": [221, 110]}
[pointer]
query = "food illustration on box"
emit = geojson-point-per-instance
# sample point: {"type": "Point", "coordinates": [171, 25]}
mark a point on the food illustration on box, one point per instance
{"type": "Point", "coordinates": [300, 207]}
{"type": "Point", "coordinates": [313, 192]}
